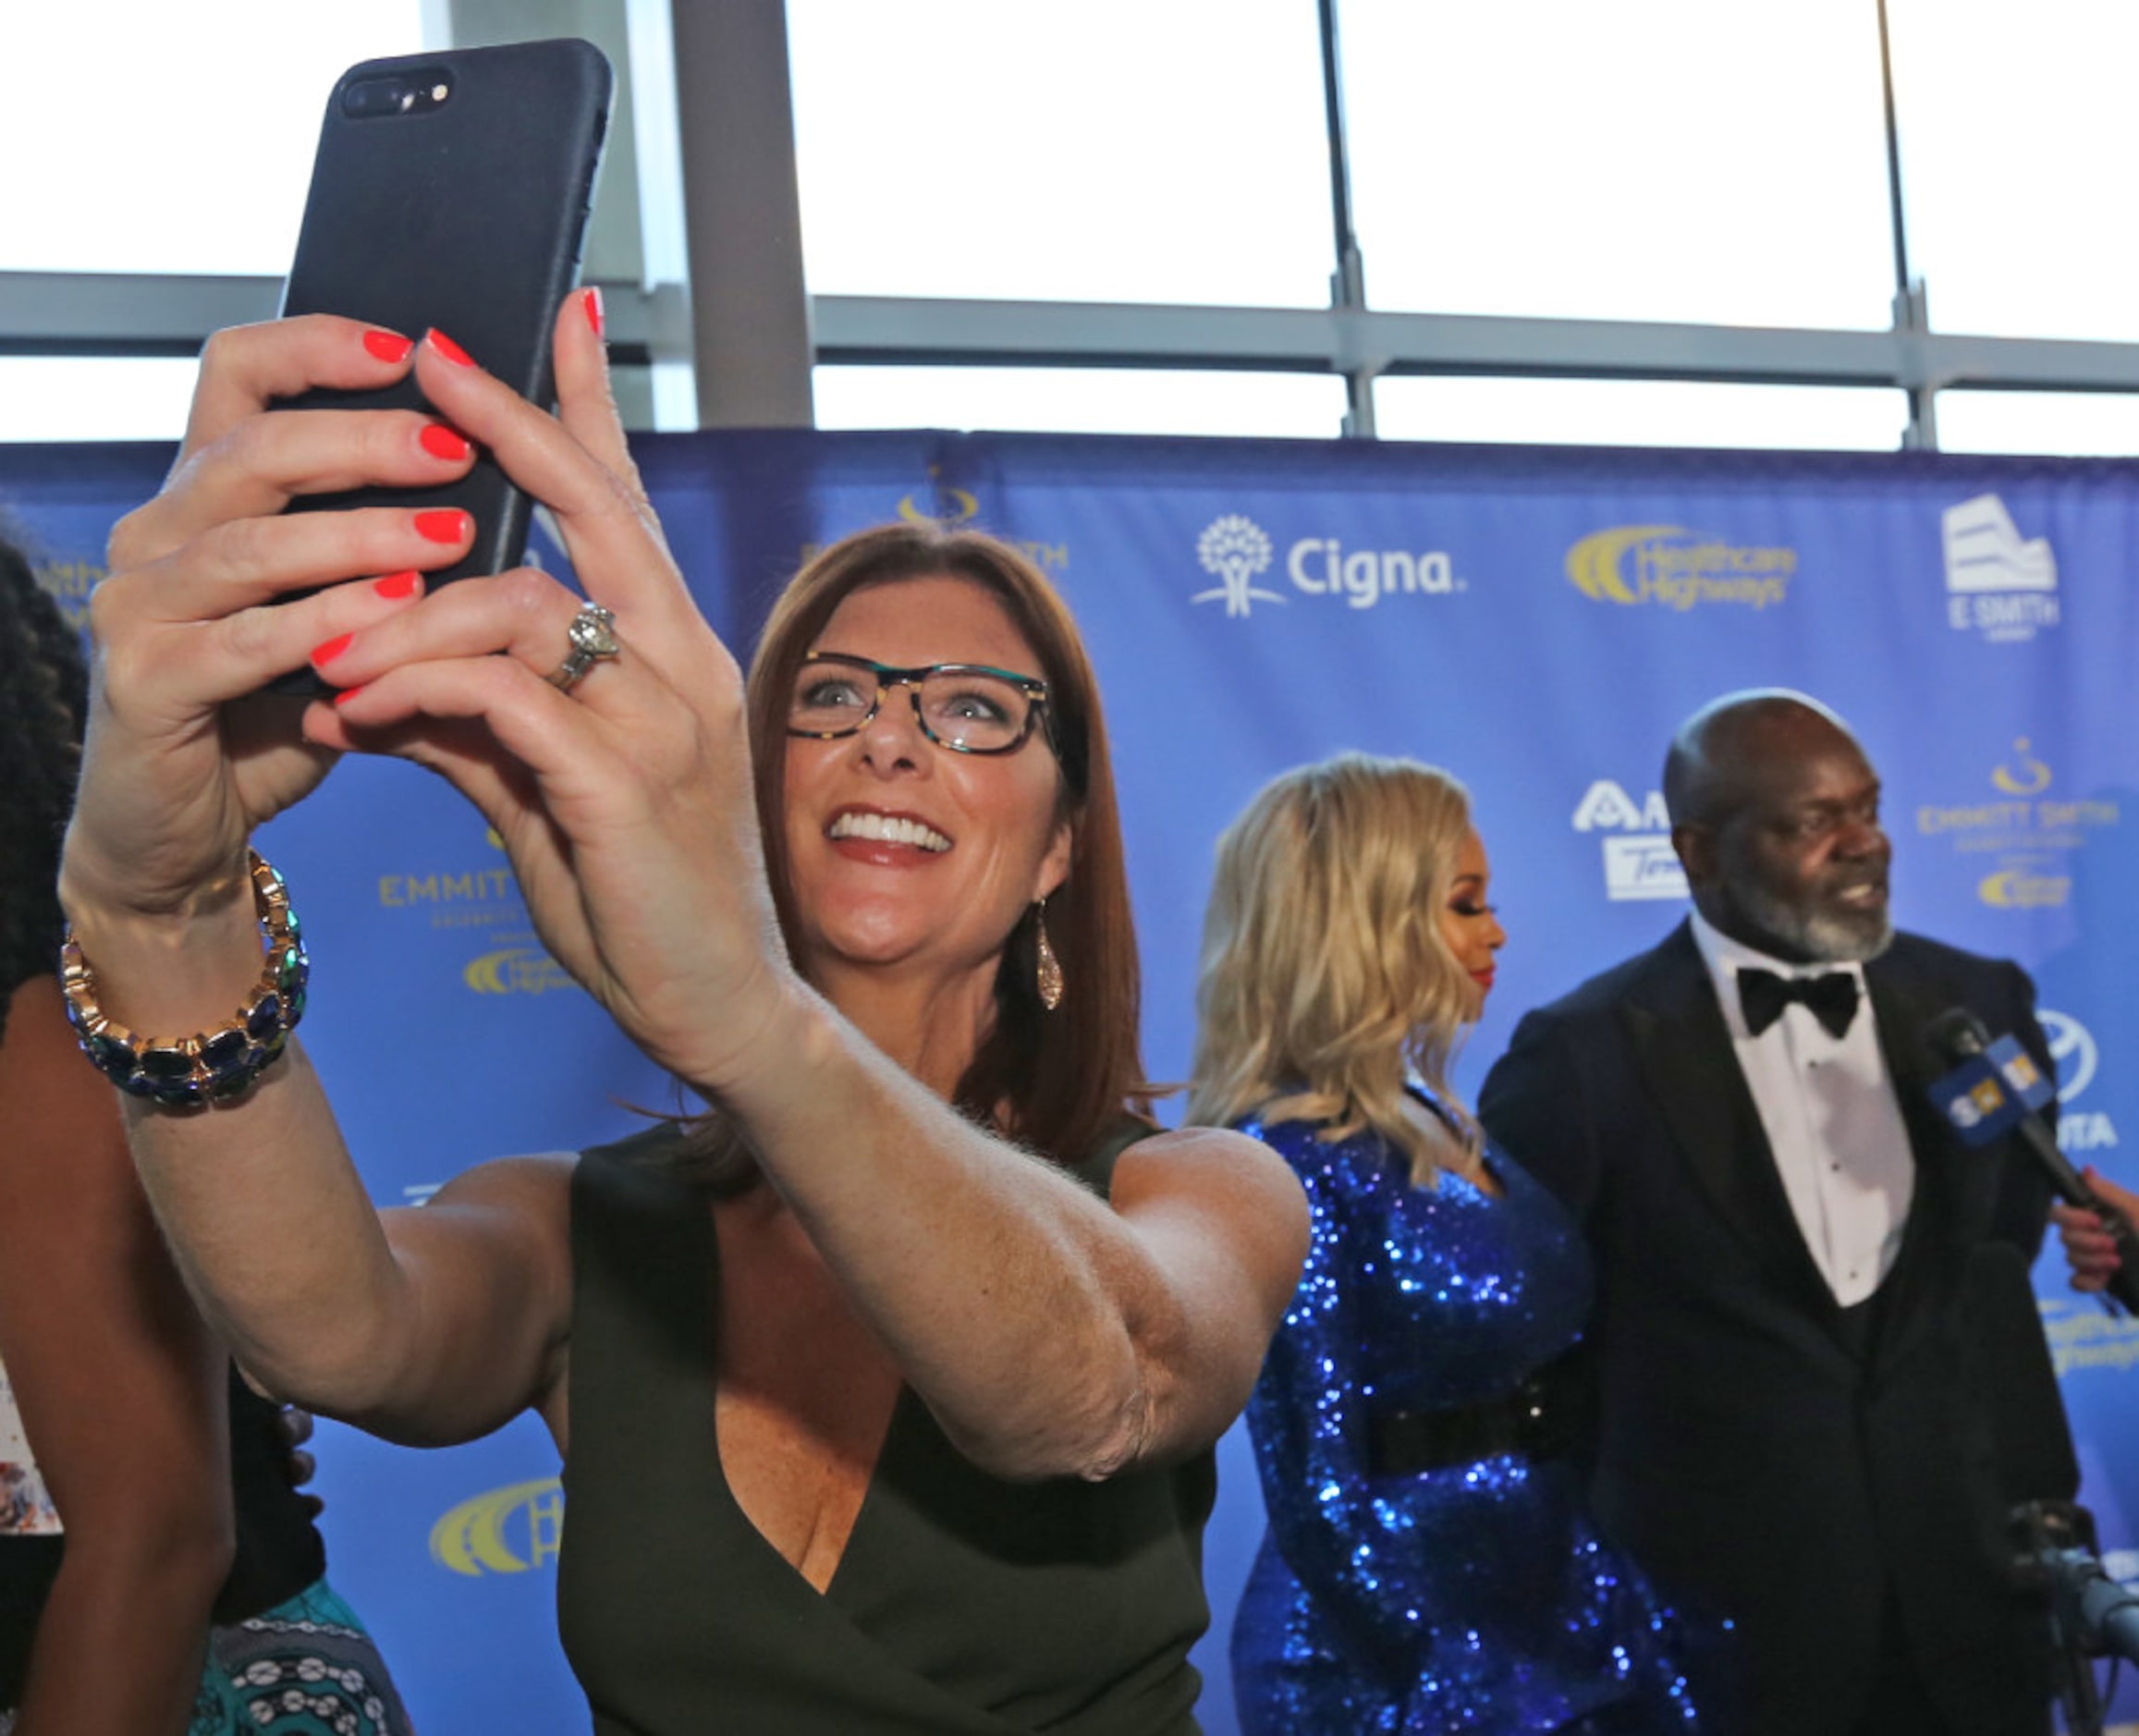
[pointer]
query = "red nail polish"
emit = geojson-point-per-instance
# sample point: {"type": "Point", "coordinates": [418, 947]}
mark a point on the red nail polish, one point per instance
{"type": "Point", "coordinates": [388, 346]}
{"type": "Point", "coordinates": [591, 301]}
{"type": "Point", "coordinates": [323, 654]}
{"type": "Point", "coordinates": [442, 524]}
{"type": "Point", "coordinates": [446, 347]}
{"type": "Point", "coordinates": [346, 694]}
{"type": "Point", "coordinates": [441, 442]}
{"type": "Point", "coordinates": [397, 585]}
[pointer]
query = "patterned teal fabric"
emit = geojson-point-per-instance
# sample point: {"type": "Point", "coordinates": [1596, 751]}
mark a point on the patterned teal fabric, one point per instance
{"type": "Point", "coordinates": [305, 1667]}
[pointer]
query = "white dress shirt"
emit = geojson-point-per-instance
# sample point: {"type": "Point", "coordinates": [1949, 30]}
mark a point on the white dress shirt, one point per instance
{"type": "Point", "coordinates": [1831, 1117]}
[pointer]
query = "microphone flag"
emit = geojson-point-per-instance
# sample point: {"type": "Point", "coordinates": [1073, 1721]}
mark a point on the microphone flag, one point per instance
{"type": "Point", "coordinates": [1989, 1094]}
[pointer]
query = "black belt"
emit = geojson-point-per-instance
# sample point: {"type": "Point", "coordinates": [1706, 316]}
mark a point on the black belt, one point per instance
{"type": "Point", "coordinates": [1540, 1418]}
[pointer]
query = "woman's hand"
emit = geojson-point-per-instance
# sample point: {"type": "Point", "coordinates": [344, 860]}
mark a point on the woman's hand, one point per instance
{"type": "Point", "coordinates": [183, 760]}
{"type": "Point", "coordinates": [626, 805]}
{"type": "Point", "coordinates": [2090, 1248]}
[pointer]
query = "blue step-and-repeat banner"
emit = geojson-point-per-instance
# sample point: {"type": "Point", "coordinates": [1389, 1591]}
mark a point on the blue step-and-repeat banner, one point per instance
{"type": "Point", "coordinates": [1537, 620]}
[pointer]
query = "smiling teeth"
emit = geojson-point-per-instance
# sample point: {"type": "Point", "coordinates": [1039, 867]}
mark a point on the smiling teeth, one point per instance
{"type": "Point", "coordinates": [888, 829]}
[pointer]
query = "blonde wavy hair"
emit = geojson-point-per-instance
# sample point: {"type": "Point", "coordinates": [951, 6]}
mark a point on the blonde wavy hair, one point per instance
{"type": "Point", "coordinates": [1324, 975]}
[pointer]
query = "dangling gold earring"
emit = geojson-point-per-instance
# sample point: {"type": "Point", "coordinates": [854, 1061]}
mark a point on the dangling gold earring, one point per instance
{"type": "Point", "coordinates": [1049, 976]}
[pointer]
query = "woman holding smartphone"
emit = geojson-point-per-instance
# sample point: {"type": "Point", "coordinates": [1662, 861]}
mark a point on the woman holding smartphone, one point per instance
{"type": "Point", "coordinates": [887, 1390]}
{"type": "Point", "coordinates": [1429, 1565]}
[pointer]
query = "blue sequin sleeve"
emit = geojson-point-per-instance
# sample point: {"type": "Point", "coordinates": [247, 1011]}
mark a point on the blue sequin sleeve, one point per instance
{"type": "Point", "coordinates": [1308, 1416]}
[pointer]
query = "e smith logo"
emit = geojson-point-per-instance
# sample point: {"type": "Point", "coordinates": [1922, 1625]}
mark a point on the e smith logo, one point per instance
{"type": "Point", "coordinates": [1998, 584]}
{"type": "Point", "coordinates": [1237, 551]}
{"type": "Point", "coordinates": [1676, 568]}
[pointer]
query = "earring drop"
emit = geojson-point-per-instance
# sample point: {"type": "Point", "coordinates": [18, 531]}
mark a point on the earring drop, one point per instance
{"type": "Point", "coordinates": [1049, 978]}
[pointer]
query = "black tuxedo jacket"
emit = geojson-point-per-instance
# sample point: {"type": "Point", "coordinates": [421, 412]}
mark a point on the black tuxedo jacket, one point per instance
{"type": "Point", "coordinates": [1764, 1464]}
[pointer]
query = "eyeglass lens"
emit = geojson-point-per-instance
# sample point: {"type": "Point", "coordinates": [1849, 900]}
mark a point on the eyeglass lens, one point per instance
{"type": "Point", "coordinates": [961, 708]}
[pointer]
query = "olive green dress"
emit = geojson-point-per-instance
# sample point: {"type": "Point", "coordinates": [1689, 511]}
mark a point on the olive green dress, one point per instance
{"type": "Point", "coordinates": [964, 1604]}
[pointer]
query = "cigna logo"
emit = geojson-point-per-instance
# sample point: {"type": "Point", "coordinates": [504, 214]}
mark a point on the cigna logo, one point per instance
{"type": "Point", "coordinates": [1677, 569]}
{"type": "Point", "coordinates": [516, 970]}
{"type": "Point", "coordinates": [1639, 862]}
{"type": "Point", "coordinates": [1237, 551]}
{"type": "Point", "coordinates": [510, 1530]}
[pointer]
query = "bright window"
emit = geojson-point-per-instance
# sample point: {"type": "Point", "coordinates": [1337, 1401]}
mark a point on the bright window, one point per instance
{"type": "Point", "coordinates": [2018, 133]}
{"type": "Point", "coordinates": [2065, 424]}
{"type": "Point", "coordinates": [1648, 159]}
{"type": "Point", "coordinates": [1639, 413]}
{"type": "Point", "coordinates": [144, 136]}
{"type": "Point", "coordinates": [1083, 400]}
{"type": "Point", "coordinates": [1109, 150]}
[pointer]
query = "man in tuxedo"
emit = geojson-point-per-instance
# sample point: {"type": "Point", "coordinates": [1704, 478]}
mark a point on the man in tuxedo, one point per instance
{"type": "Point", "coordinates": [1792, 1434]}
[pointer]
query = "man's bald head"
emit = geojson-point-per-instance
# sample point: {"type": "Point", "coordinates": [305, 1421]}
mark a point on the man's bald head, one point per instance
{"type": "Point", "coordinates": [1775, 814]}
{"type": "Point", "coordinates": [1725, 750]}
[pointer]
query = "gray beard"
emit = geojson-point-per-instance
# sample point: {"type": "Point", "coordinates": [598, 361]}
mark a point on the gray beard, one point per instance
{"type": "Point", "coordinates": [1825, 936]}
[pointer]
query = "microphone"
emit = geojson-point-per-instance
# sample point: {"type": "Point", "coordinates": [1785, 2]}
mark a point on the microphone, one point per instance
{"type": "Point", "coordinates": [2091, 1614]}
{"type": "Point", "coordinates": [1996, 1088]}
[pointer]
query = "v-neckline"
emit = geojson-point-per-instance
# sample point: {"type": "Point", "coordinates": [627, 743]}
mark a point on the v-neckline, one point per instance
{"type": "Point", "coordinates": [855, 1532]}
{"type": "Point", "coordinates": [902, 1396]}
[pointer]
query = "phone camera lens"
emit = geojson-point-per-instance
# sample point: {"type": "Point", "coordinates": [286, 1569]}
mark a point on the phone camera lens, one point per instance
{"type": "Point", "coordinates": [368, 97]}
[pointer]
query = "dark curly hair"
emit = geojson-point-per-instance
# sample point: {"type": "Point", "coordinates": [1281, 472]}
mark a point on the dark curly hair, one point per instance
{"type": "Point", "coordinates": [44, 704]}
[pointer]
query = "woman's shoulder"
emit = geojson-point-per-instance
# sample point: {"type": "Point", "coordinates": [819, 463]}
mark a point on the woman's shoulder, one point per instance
{"type": "Point", "coordinates": [1316, 1153]}
{"type": "Point", "coordinates": [534, 1188]}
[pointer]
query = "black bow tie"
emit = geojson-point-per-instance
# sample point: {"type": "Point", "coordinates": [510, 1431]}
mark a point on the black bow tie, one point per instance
{"type": "Point", "coordinates": [1831, 998]}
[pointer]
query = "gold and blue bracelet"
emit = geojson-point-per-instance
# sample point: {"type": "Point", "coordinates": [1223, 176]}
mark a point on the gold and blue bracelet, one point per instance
{"type": "Point", "coordinates": [213, 1066]}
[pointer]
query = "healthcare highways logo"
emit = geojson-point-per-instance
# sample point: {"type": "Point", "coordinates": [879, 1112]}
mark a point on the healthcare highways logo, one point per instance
{"type": "Point", "coordinates": [1998, 584]}
{"type": "Point", "coordinates": [1673, 567]}
{"type": "Point", "coordinates": [512, 1530]}
{"type": "Point", "coordinates": [2026, 831]}
{"type": "Point", "coordinates": [1237, 552]}
{"type": "Point", "coordinates": [1639, 862]}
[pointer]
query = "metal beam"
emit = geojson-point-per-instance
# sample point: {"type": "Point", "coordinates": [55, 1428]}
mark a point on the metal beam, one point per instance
{"type": "Point", "coordinates": [743, 213]}
{"type": "Point", "coordinates": [883, 329]}
{"type": "Point", "coordinates": [94, 313]}
{"type": "Point", "coordinates": [97, 314]}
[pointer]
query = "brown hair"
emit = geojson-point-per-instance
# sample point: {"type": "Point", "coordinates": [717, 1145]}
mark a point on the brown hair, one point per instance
{"type": "Point", "coordinates": [1054, 1080]}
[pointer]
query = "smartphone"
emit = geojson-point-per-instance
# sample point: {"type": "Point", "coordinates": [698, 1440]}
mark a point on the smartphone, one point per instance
{"type": "Point", "coordinates": [451, 189]}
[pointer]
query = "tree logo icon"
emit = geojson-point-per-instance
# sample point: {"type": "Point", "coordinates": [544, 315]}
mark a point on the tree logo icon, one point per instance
{"type": "Point", "coordinates": [1235, 549]}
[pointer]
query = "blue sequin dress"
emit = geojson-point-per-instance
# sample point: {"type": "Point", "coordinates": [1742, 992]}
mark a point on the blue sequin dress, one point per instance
{"type": "Point", "coordinates": [1476, 1597]}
